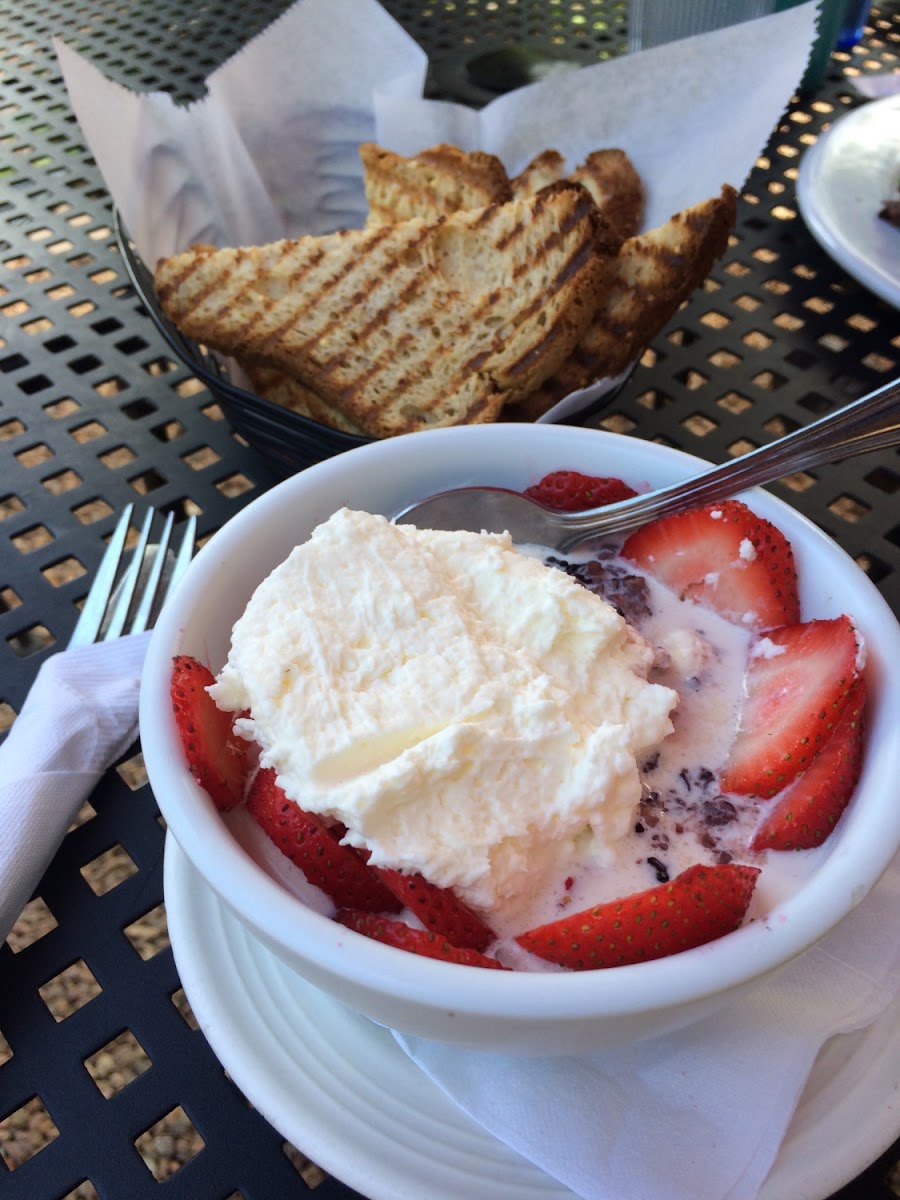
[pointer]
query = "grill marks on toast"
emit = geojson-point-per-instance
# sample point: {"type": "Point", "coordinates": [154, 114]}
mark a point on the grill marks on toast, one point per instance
{"type": "Point", "coordinates": [654, 275]}
{"type": "Point", "coordinates": [655, 272]}
{"type": "Point", "coordinates": [616, 188]}
{"type": "Point", "coordinates": [409, 325]}
{"type": "Point", "coordinates": [496, 365]}
{"type": "Point", "coordinates": [273, 384]}
{"type": "Point", "coordinates": [438, 320]}
{"type": "Point", "coordinates": [545, 168]}
{"type": "Point", "coordinates": [438, 182]}
{"type": "Point", "coordinates": [312, 293]}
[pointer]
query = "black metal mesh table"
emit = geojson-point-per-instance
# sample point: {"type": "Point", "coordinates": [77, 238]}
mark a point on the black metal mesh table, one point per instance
{"type": "Point", "coordinates": [107, 1088]}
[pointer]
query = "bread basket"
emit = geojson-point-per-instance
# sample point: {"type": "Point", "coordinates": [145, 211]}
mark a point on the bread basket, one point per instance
{"type": "Point", "coordinates": [288, 441]}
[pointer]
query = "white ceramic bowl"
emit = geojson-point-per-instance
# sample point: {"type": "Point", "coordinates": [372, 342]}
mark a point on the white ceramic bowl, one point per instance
{"type": "Point", "coordinates": [527, 1013]}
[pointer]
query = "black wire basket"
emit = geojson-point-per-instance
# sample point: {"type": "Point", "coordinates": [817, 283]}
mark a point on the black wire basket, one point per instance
{"type": "Point", "coordinates": [286, 439]}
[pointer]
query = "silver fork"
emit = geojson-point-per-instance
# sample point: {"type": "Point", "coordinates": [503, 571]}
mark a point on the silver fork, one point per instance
{"type": "Point", "coordinates": [123, 603]}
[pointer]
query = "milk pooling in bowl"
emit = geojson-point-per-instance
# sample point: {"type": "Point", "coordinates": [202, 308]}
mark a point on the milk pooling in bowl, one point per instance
{"type": "Point", "coordinates": [465, 711]}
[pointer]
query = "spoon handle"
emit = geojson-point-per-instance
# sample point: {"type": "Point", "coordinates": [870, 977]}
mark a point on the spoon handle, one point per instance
{"type": "Point", "coordinates": [870, 423]}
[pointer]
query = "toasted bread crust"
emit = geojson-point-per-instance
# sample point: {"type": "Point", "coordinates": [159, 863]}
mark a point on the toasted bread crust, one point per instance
{"type": "Point", "coordinates": [654, 274]}
{"type": "Point", "coordinates": [274, 385]}
{"type": "Point", "coordinates": [609, 175]}
{"type": "Point", "coordinates": [435, 183]}
{"type": "Point", "coordinates": [545, 168]}
{"type": "Point", "coordinates": [410, 325]}
{"type": "Point", "coordinates": [616, 187]}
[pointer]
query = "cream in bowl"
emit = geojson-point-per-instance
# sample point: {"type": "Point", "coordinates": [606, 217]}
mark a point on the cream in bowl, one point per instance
{"type": "Point", "coordinates": [675, 673]}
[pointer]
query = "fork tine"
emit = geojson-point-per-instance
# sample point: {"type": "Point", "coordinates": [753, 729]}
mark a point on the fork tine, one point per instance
{"type": "Point", "coordinates": [185, 551]}
{"type": "Point", "coordinates": [141, 619]}
{"type": "Point", "coordinates": [160, 571]}
{"type": "Point", "coordinates": [119, 612]}
{"type": "Point", "coordinates": [91, 617]}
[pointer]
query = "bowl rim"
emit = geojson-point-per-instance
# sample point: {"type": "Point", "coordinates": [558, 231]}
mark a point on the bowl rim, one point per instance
{"type": "Point", "coordinates": [298, 932]}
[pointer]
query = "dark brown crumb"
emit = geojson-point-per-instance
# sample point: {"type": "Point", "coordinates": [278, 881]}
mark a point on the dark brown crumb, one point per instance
{"type": "Point", "coordinates": [718, 811]}
{"type": "Point", "coordinates": [627, 593]}
{"type": "Point", "coordinates": [662, 871]}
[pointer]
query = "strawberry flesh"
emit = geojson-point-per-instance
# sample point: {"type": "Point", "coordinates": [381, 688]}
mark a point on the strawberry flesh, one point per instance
{"type": "Point", "coordinates": [699, 905]}
{"type": "Point", "coordinates": [217, 758]}
{"type": "Point", "coordinates": [418, 941]}
{"type": "Point", "coordinates": [570, 491]}
{"type": "Point", "coordinates": [315, 848]}
{"type": "Point", "coordinates": [808, 810]}
{"type": "Point", "coordinates": [797, 686]}
{"type": "Point", "coordinates": [725, 557]}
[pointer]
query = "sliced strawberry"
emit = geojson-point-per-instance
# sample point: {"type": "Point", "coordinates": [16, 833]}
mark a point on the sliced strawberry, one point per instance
{"type": "Point", "coordinates": [699, 905]}
{"type": "Point", "coordinates": [797, 686]}
{"type": "Point", "coordinates": [569, 491]}
{"type": "Point", "coordinates": [723, 556]}
{"type": "Point", "coordinates": [217, 758]}
{"type": "Point", "coordinates": [439, 909]}
{"type": "Point", "coordinates": [418, 941]}
{"type": "Point", "coordinates": [314, 847]}
{"type": "Point", "coordinates": [809, 809]}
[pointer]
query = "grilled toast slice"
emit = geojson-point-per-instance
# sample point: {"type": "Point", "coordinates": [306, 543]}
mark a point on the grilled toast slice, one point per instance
{"type": "Point", "coordinates": [609, 175]}
{"type": "Point", "coordinates": [545, 168]}
{"type": "Point", "coordinates": [655, 273]}
{"type": "Point", "coordinates": [410, 325]}
{"type": "Point", "coordinates": [273, 384]}
{"type": "Point", "coordinates": [618, 191]}
{"type": "Point", "coordinates": [435, 183]}
{"type": "Point", "coordinates": [445, 179]}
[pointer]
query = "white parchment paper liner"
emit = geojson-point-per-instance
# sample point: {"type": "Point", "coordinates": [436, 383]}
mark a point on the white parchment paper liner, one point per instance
{"type": "Point", "coordinates": [272, 149]}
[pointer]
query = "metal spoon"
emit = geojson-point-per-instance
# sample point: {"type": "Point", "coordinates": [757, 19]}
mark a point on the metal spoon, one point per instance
{"type": "Point", "coordinates": [871, 423]}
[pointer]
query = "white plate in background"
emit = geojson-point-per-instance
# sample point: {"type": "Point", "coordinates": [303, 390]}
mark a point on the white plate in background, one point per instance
{"type": "Point", "coordinates": [844, 179]}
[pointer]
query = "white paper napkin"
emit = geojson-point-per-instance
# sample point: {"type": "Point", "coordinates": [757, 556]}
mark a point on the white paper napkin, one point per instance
{"type": "Point", "coordinates": [695, 1115]}
{"type": "Point", "coordinates": [80, 715]}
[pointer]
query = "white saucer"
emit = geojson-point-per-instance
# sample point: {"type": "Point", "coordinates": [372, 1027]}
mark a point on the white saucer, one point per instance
{"type": "Point", "coordinates": [844, 179]}
{"type": "Point", "coordinates": [341, 1090]}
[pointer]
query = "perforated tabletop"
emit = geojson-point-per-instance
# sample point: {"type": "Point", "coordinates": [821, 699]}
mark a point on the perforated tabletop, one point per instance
{"type": "Point", "coordinates": [107, 1087]}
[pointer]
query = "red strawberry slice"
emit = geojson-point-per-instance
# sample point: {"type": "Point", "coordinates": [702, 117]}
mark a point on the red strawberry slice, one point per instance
{"type": "Point", "coordinates": [418, 941]}
{"type": "Point", "coordinates": [314, 847]}
{"type": "Point", "coordinates": [439, 909]}
{"type": "Point", "coordinates": [797, 686]}
{"type": "Point", "coordinates": [698, 906]}
{"type": "Point", "coordinates": [217, 758]}
{"type": "Point", "coordinates": [723, 556]}
{"type": "Point", "coordinates": [569, 491]}
{"type": "Point", "coordinates": [808, 811]}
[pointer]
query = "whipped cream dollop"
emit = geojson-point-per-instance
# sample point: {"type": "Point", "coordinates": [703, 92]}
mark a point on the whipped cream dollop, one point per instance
{"type": "Point", "coordinates": [464, 710]}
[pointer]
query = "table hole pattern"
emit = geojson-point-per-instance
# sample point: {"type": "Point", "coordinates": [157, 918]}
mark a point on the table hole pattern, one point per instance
{"type": "Point", "coordinates": [108, 870]}
{"type": "Point", "coordinates": [25, 1133]}
{"type": "Point", "coordinates": [85, 813]}
{"type": "Point", "coordinates": [35, 922]}
{"type": "Point", "coordinates": [84, 1191]}
{"type": "Point", "coordinates": [95, 412]}
{"type": "Point", "coordinates": [133, 772]}
{"type": "Point", "coordinates": [311, 1175]}
{"type": "Point", "coordinates": [69, 990]}
{"type": "Point", "coordinates": [169, 1144]}
{"type": "Point", "coordinates": [183, 1007]}
{"type": "Point", "coordinates": [147, 934]}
